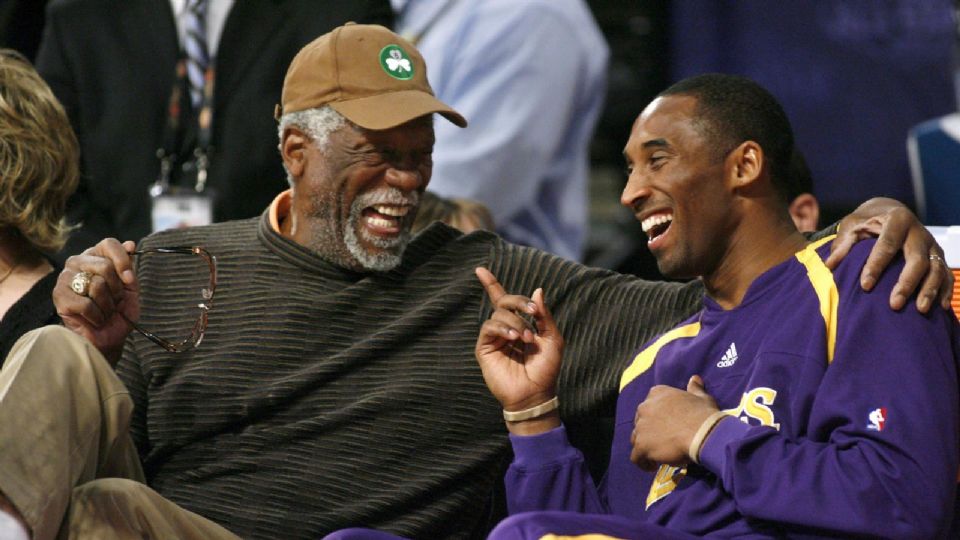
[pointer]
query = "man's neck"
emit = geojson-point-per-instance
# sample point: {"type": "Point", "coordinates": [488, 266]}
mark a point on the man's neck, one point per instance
{"type": "Point", "coordinates": [754, 249]}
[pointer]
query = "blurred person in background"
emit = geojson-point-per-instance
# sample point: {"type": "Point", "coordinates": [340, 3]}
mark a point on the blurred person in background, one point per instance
{"type": "Point", "coordinates": [531, 77]}
{"type": "Point", "coordinates": [38, 172]}
{"type": "Point", "coordinates": [804, 207]}
{"type": "Point", "coordinates": [462, 214]}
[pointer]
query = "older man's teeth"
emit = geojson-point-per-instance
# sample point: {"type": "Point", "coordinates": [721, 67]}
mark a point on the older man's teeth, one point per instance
{"type": "Point", "coordinates": [653, 221]}
{"type": "Point", "coordinates": [395, 211]}
{"type": "Point", "coordinates": [381, 222]}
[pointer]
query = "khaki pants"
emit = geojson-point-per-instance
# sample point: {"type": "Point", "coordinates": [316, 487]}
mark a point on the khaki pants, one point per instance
{"type": "Point", "coordinates": [67, 462]}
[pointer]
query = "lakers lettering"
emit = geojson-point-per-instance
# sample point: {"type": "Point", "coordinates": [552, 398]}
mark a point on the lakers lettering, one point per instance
{"type": "Point", "coordinates": [754, 409]}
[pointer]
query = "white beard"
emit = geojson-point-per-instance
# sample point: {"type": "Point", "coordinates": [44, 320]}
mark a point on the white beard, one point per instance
{"type": "Point", "coordinates": [392, 248]}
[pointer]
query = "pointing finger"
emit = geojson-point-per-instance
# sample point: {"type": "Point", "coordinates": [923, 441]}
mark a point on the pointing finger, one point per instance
{"type": "Point", "coordinates": [490, 284]}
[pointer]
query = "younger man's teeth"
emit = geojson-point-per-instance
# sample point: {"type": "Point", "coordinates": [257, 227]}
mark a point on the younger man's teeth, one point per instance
{"type": "Point", "coordinates": [653, 221]}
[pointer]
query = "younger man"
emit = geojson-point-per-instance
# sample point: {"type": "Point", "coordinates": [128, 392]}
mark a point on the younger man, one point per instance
{"type": "Point", "coordinates": [848, 411]}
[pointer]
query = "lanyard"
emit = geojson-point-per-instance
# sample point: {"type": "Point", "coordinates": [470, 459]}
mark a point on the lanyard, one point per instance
{"type": "Point", "coordinates": [172, 132]}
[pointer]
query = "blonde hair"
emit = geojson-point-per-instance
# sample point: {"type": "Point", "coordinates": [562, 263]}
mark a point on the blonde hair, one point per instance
{"type": "Point", "coordinates": [39, 156]}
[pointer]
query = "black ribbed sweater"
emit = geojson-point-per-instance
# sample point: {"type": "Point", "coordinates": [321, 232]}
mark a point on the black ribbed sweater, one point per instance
{"type": "Point", "coordinates": [322, 398]}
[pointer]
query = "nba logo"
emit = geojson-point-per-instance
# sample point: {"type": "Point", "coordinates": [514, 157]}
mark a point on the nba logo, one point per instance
{"type": "Point", "coordinates": [877, 417]}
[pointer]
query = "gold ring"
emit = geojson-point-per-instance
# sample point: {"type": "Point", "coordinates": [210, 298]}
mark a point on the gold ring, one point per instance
{"type": "Point", "coordinates": [81, 283]}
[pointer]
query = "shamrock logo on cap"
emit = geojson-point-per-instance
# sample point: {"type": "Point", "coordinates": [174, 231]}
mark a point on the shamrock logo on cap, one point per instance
{"type": "Point", "coordinates": [396, 63]}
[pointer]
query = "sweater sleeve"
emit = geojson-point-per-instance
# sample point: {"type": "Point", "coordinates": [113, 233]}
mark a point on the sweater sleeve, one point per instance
{"type": "Point", "coordinates": [879, 456]}
{"type": "Point", "coordinates": [604, 318]}
{"type": "Point", "coordinates": [548, 473]}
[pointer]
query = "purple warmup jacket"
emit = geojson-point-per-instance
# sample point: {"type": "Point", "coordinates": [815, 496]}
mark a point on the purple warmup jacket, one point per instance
{"type": "Point", "coordinates": [844, 417]}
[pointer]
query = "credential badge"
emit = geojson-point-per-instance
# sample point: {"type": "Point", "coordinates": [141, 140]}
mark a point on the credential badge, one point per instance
{"type": "Point", "coordinates": [396, 63]}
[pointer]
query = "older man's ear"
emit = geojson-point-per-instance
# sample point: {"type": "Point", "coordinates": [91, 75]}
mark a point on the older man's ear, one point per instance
{"type": "Point", "coordinates": [293, 150]}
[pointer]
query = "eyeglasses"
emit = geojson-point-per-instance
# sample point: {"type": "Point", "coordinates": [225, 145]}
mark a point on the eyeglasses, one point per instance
{"type": "Point", "coordinates": [204, 260]}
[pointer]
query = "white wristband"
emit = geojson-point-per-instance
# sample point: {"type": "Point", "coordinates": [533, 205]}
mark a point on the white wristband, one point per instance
{"type": "Point", "coordinates": [706, 428]}
{"type": "Point", "coordinates": [532, 412]}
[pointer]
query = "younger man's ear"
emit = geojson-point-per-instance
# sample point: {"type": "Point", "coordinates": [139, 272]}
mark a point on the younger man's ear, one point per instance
{"type": "Point", "coordinates": [293, 150]}
{"type": "Point", "coordinates": [744, 164]}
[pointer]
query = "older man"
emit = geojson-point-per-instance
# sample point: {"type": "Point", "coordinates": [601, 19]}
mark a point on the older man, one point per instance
{"type": "Point", "coordinates": [335, 384]}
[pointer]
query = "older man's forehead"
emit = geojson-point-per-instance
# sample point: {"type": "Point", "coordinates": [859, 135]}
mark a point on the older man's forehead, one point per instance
{"type": "Point", "coordinates": [418, 131]}
{"type": "Point", "coordinates": [422, 121]}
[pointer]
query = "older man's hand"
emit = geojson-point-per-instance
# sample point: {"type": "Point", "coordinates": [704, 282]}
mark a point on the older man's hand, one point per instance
{"type": "Point", "coordinates": [94, 292]}
{"type": "Point", "coordinates": [666, 423]}
{"type": "Point", "coordinates": [896, 229]}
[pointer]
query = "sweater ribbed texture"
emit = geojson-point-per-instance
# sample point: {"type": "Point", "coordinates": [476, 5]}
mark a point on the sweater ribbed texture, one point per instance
{"type": "Point", "coordinates": [322, 398]}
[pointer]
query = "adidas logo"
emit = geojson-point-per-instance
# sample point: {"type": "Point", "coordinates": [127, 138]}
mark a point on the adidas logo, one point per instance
{"type": "Point", "coordinates": [729, 357]}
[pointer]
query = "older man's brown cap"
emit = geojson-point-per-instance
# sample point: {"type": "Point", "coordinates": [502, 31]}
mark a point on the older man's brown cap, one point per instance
{"type": "Point", "coordinates": [373, 77]}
